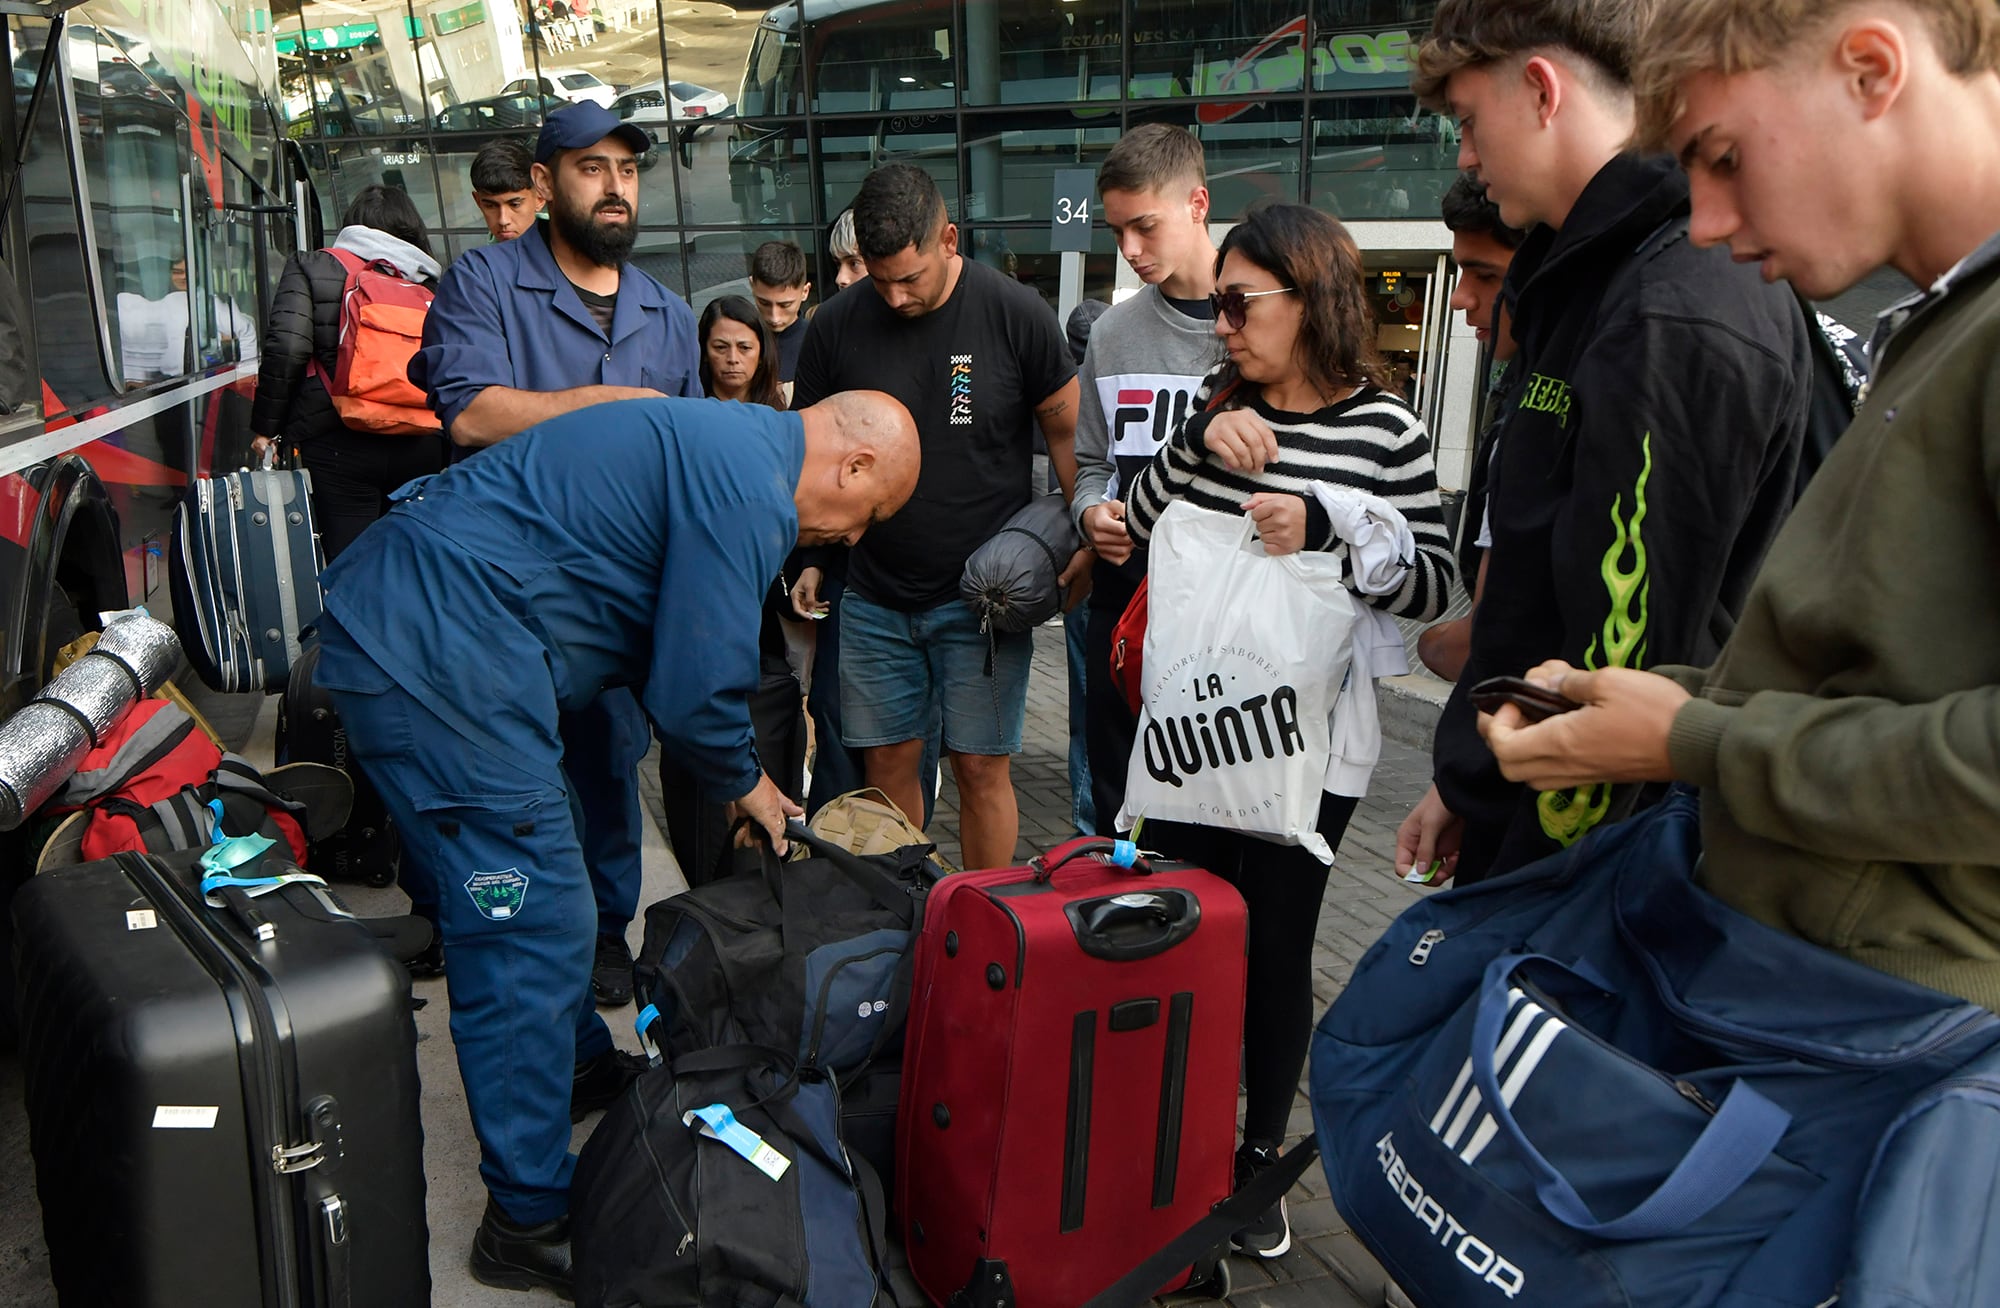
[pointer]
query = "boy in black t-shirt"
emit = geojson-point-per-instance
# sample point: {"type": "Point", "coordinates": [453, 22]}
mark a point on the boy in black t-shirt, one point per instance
{"type": "Point", "coordinates": [780, 284]}
{"type": "Point", "coordinates": [978, 360]}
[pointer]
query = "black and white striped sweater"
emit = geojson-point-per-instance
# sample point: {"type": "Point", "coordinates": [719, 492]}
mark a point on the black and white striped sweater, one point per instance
{"type": "Point", "coordinates": [1370, 441]}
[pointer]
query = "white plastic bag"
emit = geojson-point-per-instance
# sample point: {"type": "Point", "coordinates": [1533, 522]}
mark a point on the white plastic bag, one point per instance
{"type": "Point", "coordinates": [1245, 655]}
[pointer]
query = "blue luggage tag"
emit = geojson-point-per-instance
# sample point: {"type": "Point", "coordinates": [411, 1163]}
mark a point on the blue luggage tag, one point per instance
{"type": "Point", "coordinates": [643, 1024]}
{"type": "Point", "coordinates": [718, 1123]}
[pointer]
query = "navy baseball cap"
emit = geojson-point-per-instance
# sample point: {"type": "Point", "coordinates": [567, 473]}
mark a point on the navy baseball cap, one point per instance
{"type": "Point", "coordinates": [586, 123]}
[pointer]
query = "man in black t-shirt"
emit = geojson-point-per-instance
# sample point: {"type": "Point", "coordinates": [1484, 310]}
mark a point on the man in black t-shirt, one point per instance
{"type": "Point", "coordinates": [978, 360]}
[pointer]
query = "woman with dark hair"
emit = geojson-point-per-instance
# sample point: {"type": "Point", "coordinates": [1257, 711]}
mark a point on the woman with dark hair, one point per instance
{"type": "Point", "coordinates": [1299, 429]}
{"type": "Point", "coordinates": [353, 472]}
{"type": "Point", "coordinates": [739, 358]}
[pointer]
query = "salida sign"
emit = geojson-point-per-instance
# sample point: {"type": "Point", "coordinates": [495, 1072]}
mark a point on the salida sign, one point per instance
{"type": "Point", "coordinates": [1342, 61]}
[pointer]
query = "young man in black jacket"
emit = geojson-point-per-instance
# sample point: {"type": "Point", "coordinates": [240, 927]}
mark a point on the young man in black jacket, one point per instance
{"type": "Point", "coordinates": [1655, 427]}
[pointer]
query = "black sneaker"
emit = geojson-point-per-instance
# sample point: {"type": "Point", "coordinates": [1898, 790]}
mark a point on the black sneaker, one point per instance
{"type": "Point", "coordinates": [1270, 1235]}
{"type": "Point", "coordinates": [598, 1083]}
{"type": "Point", "coordinates": [509, 1256]}
{"type": "Point", "coordinates": [611, 974]}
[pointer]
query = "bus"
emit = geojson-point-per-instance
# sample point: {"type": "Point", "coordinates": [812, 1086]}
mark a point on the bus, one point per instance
{"type": "Point", "coordinates": [148, 199]}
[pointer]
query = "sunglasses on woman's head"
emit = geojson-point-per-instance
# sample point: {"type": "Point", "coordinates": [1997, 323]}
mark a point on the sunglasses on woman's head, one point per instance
{"type": "Point", "coordinates": [1234, 306]}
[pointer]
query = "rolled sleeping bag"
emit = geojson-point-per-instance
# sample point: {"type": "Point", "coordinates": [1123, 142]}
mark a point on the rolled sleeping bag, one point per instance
{"type": "Point", "coordinates": [1011, 579]}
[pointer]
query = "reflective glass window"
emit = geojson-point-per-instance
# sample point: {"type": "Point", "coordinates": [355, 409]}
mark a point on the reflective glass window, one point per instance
{"type": "Point", "coordinates": [1040, 51]}
{"type": "Point", "coordinates": [56, 284]}
{"type": "Point", "coordinates": [1011, 159]}
{"type": "Point", "coordinates": [1216, 47]}
{"type": "Point", "coordinates": [130, 148]}
{"type": "Point", "coordinates": [718, 263]}
{"type": "Point", "coordinates": [1367, 45]}
{"type": "Point", "coordinates": [880, 56]}
{"type": "Point", "coordinates": [850, 149]}
{"type": "Point", "coordinates": [367, 76]}
{"type": "Point", "coordinates": [404, 165]}
{"type": "Point", "coordinates": [1381, 157]}
{"type": "Point", "coordinates": [1023, 253]}
{"type": "Point", "coordinates": [1252, 150]}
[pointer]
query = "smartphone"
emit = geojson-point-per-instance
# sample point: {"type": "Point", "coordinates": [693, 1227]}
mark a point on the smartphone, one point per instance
{"type": "Point", "coordinates": [1536, 704]}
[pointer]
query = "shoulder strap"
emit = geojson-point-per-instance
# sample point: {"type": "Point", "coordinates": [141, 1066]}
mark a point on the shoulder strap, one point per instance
{"type": "Point", "coordinates": [1212, 1232]}
{"type": "Point", "coordinates": [349, 260]}
{"type": "Point", "coordinates": [154, 739]}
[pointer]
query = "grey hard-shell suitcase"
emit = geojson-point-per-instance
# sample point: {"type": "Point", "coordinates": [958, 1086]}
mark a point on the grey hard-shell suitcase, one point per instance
{"type": "Point", "coordinates": [245, 569]}
{"type": "Point", "coordinates": [218, 1120]}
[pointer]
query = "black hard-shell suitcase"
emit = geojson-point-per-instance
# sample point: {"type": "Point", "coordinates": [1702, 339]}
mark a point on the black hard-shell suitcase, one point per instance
{"type": "Point", "coordinates": [218, 1121]}
{"type": "Point", "coordinates": [309, 731]}
{"type": "Point", "coordinates": [245, 572]}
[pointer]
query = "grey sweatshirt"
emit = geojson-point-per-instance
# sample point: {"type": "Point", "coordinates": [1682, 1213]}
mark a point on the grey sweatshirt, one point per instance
{"type": "Point", "coordinates": [1145, 361]}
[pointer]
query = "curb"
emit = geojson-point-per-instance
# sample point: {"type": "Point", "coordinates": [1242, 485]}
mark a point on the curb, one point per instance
{"type": "Point", "coordinates": [1410, 706]}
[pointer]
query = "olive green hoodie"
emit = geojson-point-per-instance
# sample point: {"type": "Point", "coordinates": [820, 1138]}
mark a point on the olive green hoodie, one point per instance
{"type": "Point", "coordinates": [1847, 740]}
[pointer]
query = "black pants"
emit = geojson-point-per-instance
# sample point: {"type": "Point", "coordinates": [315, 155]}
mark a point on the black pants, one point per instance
{"type": "Point", "coordinates": [1109, 728]}
{"type": "Point", "coordinates": [1282, 886]}
{"type": "Point", "coordinates": [353, 473]}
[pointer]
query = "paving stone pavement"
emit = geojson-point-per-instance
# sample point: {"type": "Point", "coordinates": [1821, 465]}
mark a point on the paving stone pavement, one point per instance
{"type": "Point", "coordinates": [1326, 1266]}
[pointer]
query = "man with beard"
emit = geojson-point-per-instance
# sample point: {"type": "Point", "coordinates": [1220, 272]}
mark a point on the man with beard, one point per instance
{"type": "Point", "coordinates": [522, 331]}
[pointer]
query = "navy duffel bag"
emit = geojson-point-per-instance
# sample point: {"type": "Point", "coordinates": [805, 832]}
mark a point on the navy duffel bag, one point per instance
{"type": "Point", "coordinates": [1591, 1082]}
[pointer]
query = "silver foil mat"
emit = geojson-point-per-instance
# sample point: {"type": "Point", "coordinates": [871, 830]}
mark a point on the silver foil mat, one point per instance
{"type": "Point", "coordinates": [99, 688]}
{"type": "Point", "coordinates": [145, 645]}
{"type": "Point", "coordinates": [40, 747]}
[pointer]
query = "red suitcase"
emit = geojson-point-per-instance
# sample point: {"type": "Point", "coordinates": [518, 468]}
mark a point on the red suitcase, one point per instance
{"type": "Point", "coordinates": [1069, 1076]}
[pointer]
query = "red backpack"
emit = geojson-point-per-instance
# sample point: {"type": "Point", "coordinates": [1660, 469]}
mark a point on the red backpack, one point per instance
{"type": "Point", "coordinates": [148, 787]}
{"type": "Point", "coordinates": [381, 327]}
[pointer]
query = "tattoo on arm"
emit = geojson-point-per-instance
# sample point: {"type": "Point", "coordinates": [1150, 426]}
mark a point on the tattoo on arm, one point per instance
{"type": "Point", "coordinates": [1048, 411]}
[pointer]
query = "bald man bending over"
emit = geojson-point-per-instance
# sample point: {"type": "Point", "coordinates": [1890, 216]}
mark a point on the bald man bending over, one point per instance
{"type": "Point", "coordinates": [524, 582]}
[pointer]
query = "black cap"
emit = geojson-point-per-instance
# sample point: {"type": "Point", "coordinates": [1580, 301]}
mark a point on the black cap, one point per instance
{"type": "Point", "coordinates": [586, 123]}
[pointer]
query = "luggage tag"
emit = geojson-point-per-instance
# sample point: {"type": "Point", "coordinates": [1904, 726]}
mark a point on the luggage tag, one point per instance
{"type": "Point", "coordinates": [228, 853]}
{"type": "Point", "coordinates": [718, 1123]}
{"type": "Point", "coordinates": [643, 1024]}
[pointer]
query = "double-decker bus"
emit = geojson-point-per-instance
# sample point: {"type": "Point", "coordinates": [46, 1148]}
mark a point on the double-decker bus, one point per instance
{"type": "Point", "coordinates": [148, 199]}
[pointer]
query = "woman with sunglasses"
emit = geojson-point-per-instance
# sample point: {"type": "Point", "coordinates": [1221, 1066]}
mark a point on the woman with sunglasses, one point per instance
{"type": "Point", "coordinates": [1298, 428]}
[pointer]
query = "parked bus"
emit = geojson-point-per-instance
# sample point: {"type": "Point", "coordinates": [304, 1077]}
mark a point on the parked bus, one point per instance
{"type": "Point", "coordinates": [148, 199]}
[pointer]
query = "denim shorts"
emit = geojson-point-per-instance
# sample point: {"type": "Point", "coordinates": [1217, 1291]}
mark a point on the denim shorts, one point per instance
{"type": "Point", "coordinates": [897, 668]}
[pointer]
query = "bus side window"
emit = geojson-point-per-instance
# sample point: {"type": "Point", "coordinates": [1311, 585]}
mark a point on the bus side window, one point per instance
{"type": "Point", "coordinates": [53, 275]}
{"type": "Point", "coordinates": [17, 374]}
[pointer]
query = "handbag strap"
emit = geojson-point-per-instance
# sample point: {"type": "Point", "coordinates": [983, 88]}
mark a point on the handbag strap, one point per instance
{"type": "Point", "coordinates": [1727, 1153]}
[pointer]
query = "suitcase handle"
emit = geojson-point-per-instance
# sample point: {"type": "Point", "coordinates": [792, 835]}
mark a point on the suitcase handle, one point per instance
{"type": "Point", "coordinates": [1132, 925]}
{"type": "Point", "coordinates": [1100, 849]}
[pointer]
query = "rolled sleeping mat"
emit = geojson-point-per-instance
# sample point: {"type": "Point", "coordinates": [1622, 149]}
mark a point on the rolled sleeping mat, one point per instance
{"type": "Point", "coordinates": [146, 646]}
{"type": "Point", "coordinates": [40, 747]}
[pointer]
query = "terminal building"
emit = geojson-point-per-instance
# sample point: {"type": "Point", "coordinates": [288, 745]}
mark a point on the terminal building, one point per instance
{"type": "Point", "coordinates": [767, 119]}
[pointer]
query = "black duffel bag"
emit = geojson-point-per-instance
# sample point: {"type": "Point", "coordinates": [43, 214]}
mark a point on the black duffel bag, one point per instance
{"type": "Point", "coordinates": [809, 956]}
{"type": "Point", "coordinates": [667, 1212]}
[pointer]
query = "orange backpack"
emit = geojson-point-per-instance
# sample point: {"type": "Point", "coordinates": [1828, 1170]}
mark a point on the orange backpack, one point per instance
{"type": "Point", "coordinates": [381, 326]}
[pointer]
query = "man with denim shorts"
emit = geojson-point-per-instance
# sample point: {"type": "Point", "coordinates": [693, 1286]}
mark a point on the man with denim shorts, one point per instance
{"type": "Point", "coordinates": [979, 360]}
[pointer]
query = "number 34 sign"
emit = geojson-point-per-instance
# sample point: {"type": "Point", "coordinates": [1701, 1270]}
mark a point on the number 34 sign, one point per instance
{"type": "Point", "coordinates": [1070, 228]}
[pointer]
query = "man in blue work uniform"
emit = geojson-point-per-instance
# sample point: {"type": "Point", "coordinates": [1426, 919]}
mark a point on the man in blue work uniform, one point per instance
{"type": "Point", "coordinates": [544, 324]}
{"type": "Point", "coordinates": [521, 584]}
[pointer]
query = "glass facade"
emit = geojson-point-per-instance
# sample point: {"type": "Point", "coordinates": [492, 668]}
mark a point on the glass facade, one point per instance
{"type": "Point", "coordinates": [766, 120]}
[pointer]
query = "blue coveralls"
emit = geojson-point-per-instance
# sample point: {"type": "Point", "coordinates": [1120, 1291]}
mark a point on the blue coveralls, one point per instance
{"type": "Point", "coordinates": [493, 597]}
{"type": "Point", "coordinates": [506, 316]}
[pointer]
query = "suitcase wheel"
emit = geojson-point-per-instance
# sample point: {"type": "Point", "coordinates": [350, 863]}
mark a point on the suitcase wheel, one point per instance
{"type": "Point", "coordinates": [1216, 1285]}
